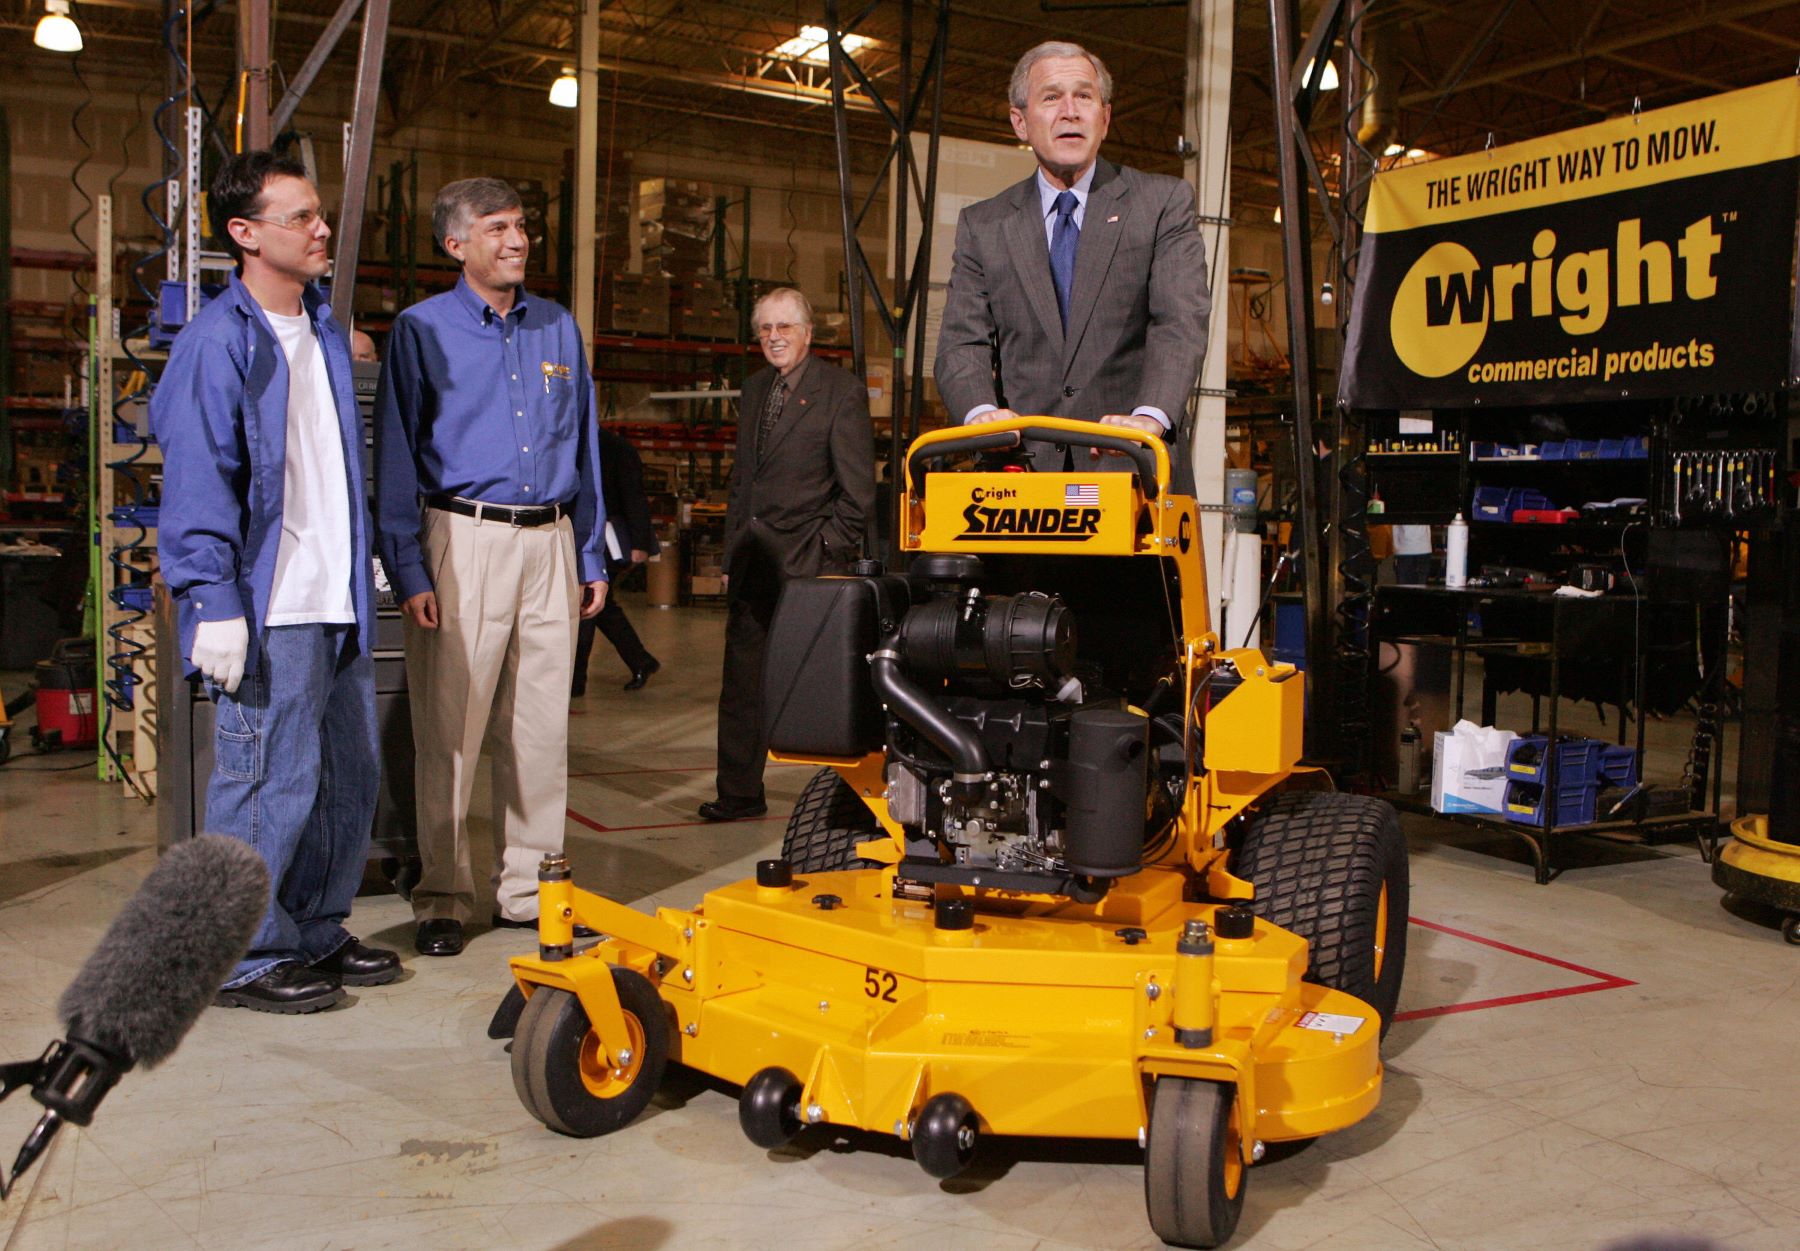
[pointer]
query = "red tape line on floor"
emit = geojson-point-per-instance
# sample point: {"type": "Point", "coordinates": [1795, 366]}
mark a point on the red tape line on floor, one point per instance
{"type": "Point", "coordinates": [703, 768]}
{"type": "Point", "coordinates": [1602, 981]}
{"type": "Point", "coordinates": [668, 825]}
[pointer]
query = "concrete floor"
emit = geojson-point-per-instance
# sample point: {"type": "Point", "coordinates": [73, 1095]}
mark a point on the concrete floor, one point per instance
{"type": "Point", "coordinates": [1656, 1091]}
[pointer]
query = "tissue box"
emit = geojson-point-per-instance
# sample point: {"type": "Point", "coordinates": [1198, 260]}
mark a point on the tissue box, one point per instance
{"type": "Point", "coordinates": [1468, 769]}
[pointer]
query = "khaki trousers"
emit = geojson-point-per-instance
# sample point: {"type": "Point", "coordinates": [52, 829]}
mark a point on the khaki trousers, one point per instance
{"type": "Point", "coordinates": [495, 671]}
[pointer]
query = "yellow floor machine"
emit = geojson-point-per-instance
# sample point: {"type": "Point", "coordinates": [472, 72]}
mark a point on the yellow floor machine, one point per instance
{"type": "Point", "coordinates": [1760, 863]}
{"type": "Point", "coordinates": [1059, 873]}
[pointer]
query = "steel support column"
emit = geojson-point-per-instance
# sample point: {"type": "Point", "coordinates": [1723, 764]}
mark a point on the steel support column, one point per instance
{"type": "Point", "coordinates": [587, 142]}
{"type": "Point", "coordinates": [902, 312]}
{"type": "Point", "coordinates": [253, 74]}
{"type": "Point", "coordinates": [1206, 135]}
{"type": "Point", "coordinates": [1296, 93]}
{"type": "Point", "coordinates": [315, 61]}
{"type": "Point", "coordinates": [1350, 566]}
{"type": "Point", "coordinates": [358, 158]}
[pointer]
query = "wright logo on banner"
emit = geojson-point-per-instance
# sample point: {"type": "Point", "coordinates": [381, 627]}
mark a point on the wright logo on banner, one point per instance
{"type": "Point", "coordinates": [1645, 256]}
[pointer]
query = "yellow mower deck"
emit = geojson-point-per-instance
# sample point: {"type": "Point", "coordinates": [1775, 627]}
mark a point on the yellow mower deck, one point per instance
{"type": "Point", "coordinates": [1044, 1018]}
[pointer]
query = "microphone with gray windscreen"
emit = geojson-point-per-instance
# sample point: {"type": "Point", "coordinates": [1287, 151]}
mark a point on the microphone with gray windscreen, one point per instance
{"type": "Point", "coordinates": [155, 970]}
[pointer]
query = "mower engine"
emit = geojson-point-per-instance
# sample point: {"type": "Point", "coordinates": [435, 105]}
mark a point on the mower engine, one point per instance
{"type": "Point", "coordinates": [1006, 765]}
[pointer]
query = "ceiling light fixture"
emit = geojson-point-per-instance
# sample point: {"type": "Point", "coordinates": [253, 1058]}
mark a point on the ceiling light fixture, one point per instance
{"type": "Point", "coordinates": [812, 44]}
{"type": "Point", "coordinates": [1328, 81]}
{"type": "Point", "coordinates": [565, 92]}
{"type": "Point", "coordinates": [1394, 149]}
{"type": "Point", "coordinates": [56, 30]}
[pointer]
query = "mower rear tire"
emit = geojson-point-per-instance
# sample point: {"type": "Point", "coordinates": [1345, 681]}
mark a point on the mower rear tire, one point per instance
{"type": "Point", "coordinates": [1332, 868]}
{"type": "Point", "coordinates": [829, 820]}
{"type": "Point", "coordinates": [1194, 1172]}
{"type": "Point", "coordinates": [560, 1073]}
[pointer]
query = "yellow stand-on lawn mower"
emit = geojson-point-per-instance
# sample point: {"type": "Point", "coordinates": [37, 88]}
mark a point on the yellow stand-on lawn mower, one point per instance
{"type": "Point", "coordinates": [1060, 874]}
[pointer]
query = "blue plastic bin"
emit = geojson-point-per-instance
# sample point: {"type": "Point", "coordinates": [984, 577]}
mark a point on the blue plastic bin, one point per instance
{"type": "Point", "coordinates": [1576, 802]}
{"type": "Point", "coordinates": [1577, 759]}
{"type": "Point", "coordinates": [1618, 766]}
{"type": "Point", "coordinates": [1494, 503]}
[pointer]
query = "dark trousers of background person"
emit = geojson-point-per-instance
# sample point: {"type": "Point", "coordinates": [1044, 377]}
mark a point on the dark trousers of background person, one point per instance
{"type": "Point", "coordinates": [743, 748]}
{"type": "Point", "coordinates": [1412, 570]}
{"type": "Point", "coordinates": [617, 627]}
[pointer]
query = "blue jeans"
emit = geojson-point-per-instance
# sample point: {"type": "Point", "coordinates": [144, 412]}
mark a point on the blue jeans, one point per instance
{"type": "Point", "coordinates": [296, 767]}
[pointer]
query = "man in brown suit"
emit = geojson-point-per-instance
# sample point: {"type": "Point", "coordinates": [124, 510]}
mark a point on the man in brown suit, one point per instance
{"type": "Point", "coordinates": [802, 492]}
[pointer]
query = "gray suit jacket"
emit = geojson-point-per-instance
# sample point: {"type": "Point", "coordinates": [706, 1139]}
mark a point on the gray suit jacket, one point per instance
{"type": "Point", "coordinates": [1137, 314]}
{"type": "Point", "coordinates": [805, 503]}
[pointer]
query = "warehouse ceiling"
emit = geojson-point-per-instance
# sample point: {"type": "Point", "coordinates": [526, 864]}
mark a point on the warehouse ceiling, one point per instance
{"type": "Point", "coordinates": [1510, 69]}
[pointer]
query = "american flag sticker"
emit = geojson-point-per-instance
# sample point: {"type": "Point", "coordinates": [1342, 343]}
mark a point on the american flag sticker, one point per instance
{"type": "Point", "coordinates": [1081, 493]}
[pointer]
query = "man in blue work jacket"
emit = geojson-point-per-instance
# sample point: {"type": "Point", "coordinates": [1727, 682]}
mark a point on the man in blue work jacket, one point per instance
{"type": "Point", "coordinates": [493, 534]}
{"type": "Point", "coordinates": [264, 544]}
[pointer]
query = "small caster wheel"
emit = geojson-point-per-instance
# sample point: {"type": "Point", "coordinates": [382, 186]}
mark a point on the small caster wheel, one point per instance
{"type": "Point", "coordinates": [945, 1134]}
{"type": "Point", "coordinates": [769, 1108]}
{"type": "Point", "coordinates": [1790, 928]}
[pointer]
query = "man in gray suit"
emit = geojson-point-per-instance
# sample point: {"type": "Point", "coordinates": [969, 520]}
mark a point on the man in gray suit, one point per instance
{"type": "Point", "coordinates": [1090, 277]}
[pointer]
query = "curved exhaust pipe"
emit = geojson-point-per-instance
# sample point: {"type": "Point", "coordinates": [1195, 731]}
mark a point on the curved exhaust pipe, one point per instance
{"type": "Point", "coordinates": [912, 705]}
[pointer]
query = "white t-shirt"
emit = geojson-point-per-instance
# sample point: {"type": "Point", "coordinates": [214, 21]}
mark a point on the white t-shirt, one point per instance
{"type": "Point", "coordinates": [1412, 540]}
{"type": "Point", "coordinates": [312, 564]}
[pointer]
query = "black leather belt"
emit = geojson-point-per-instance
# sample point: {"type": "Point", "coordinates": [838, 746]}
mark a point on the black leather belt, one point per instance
{"type": "Point", "coordinates": [532, 516]}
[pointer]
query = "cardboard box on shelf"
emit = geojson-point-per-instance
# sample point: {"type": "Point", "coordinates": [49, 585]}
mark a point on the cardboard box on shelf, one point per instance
{"type": "Point", "coordinates": [699, 290]}
{"type": "Point", "coordinates": [637, 303]}
{"type": "Point", "coordinates": [881, 389]}
{"type": "Point", "coordinates": [688, 323]}
{"type": "Point", "coordinates": [656, 189]}
{"type": "Point", "coordinates": [676, 232]}
{"type": "Point", "coordinates": [638, 320]}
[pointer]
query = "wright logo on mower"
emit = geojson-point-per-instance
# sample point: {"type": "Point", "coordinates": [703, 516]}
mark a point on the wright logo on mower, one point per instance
{"type": "Point", "coordinates": [1059, 873]}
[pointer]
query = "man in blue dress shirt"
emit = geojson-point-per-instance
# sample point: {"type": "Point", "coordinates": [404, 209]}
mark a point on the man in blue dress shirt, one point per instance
{"type": "Point", "coordinates": [492, 530]}
{"type": "Point", "coordinates": [264, 544]}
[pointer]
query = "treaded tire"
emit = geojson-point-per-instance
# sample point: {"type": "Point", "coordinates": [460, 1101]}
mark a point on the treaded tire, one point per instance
{"type": "Point", "coordinates": [829, 820]}
{"type": "Point", "coordinates": [552, 1064]}
{"type": "Point", "coordinates": [1194, 1174]}
{"type": "Point", "coordinates": [1320, 862]}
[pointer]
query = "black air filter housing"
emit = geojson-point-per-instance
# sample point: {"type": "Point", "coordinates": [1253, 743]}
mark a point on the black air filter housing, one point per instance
{"type": "Point", "coordinates": [818, 699]}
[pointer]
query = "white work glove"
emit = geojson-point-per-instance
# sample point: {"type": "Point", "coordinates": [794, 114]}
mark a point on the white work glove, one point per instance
{"type": "Point", "coordinates": [219, 651]}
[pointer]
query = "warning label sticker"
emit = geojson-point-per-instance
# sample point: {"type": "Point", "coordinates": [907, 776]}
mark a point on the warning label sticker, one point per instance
{"type": "Point", "coordinates": [1331, 1022]}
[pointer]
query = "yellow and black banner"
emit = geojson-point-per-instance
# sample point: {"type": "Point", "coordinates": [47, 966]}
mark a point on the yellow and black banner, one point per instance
{"type": "Point", "coordinates": [1649, 255]}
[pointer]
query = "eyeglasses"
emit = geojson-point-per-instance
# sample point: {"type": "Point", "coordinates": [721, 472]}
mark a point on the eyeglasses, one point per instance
{"type": "Point", "coordinates": [305, 219]}
{"type": "Point", "coordinates": [782, 328]}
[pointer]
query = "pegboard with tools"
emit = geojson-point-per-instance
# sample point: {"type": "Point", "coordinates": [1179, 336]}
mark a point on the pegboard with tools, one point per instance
{"type": "Point", "coordinates": [1727, 461]}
